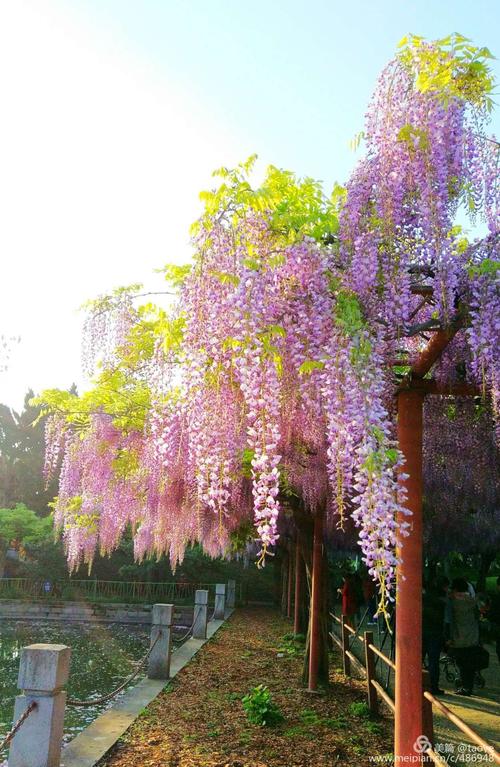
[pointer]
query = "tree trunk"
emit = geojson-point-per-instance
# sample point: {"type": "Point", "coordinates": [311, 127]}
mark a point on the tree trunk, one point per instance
{"type": "Point", "coordinates": [323, 636]}
{"type": "Point", "coordinates": [304, 523]}
{"type": "Point", "coordinates": [284, 581]}
{"type": "Point", "coordinates": [290, 580]}
{"type": "Point", "coordinates": [277, 567]}
{"type": "Point", "coordinates": [301, 605]}
{"type": "Point", "coordinates": [3, 559]}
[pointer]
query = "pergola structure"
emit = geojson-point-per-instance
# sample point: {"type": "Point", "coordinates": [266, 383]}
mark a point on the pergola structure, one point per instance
{"type": "Point", "coordinates": [414, 386]}
{"type": "Point", "coordinates": [409, 723]}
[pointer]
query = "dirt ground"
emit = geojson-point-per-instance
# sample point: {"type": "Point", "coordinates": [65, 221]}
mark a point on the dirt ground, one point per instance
{"type": "Point", "coordinates": [199, 720]}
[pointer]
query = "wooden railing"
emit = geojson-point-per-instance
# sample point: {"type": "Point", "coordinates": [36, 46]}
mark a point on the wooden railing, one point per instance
{"type": "Point", "coordinates": [463, 727]}
{"type": "Point", "coordinates": [375, 690]}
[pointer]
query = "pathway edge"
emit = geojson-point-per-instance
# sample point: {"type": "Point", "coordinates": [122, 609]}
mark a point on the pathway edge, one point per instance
{"type": "Point", "coordinates": [92, 743]}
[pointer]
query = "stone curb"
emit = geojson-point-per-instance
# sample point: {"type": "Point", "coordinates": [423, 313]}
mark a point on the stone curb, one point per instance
{"type": "Point", "coordinates": [94, 741]}
{"type": "Point", "coordinates": [83, 612]}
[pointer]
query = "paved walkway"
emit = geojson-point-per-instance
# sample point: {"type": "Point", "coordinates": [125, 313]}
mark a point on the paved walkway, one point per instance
{"type": "Point", "coordinates": [481, 711]}
{"type": "Point", "coordinates": [200, 720]}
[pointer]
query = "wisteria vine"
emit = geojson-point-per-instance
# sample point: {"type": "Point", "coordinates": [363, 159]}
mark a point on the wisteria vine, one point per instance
{"type": "Point", "coordinates": [273, 381]}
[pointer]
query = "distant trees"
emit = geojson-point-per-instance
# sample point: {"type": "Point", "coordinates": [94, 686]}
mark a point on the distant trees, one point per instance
{"type": "Point", "coordinates": [19, 526]}
{"type": "Point", "coordinates": [21, 458]}
{"type": "Point", "coordinates": [24, 498]}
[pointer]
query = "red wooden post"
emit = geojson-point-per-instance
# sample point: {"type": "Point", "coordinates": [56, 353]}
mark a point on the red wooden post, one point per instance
{"type": "Point", "coordinates": [370, 673]}
{"type": "Point", "coordinates": [409, 695]}
{"type": "Point", "coordinates": [315, 601]}
{"type": "Point", "coordinates": [298, 573]}
{"type": "Point", "coordinates": [290, 581]}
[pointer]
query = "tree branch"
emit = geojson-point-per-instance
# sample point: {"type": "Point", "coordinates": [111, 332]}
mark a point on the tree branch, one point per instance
{"type": "Point", "coordinates": [414, 330]}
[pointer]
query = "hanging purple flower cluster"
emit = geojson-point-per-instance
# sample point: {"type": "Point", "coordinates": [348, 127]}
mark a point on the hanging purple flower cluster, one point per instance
{"type": "Point", "coordinates": [426, 157]}
{"type": "Point", "coordinates": [460, 516]}
{"type": "Point", "coordinates": [106, 328]}
{"type": "Point", "coordinates": [98, 491]}
{"type": "Point", "coordinates": [55, 434]}
{"type": "Point", "coordinates": [484, 333]}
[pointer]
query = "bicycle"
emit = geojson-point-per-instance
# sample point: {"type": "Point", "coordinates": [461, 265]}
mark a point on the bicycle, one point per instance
{"type": "Point", "coordinates": [451, 672]}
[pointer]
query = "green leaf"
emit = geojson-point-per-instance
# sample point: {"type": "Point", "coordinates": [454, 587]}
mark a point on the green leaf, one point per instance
{"type": "Point", "coordinates": [308, 366]}
{"type": "Point", "coordinates": [176, 274]}
{"type": "Point", "coordinates": [226, 278]}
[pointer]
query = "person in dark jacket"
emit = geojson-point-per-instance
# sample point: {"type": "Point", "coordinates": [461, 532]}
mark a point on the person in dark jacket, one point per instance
{"type": "Point", "coordinates": [433, 614]}
{"type": "Point", "coordinates": [462, 617]}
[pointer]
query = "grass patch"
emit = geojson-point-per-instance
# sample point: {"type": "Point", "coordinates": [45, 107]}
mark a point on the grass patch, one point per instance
{"type": "Point", "coordinates": [360, 710]}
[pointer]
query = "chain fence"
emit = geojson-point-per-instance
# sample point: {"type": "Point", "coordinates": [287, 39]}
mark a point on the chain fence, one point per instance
{"type": "Point", "coordinates": [110, 695]}
{"type": "Point", "coordinates": [90, 702]}
{"type": "Point", "coordinates": [196, 613]}
{"type": "Point", "coordinates": [14, 729]}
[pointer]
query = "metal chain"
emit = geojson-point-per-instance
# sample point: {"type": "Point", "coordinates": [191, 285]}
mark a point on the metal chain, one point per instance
{"type": "Point", "coordinates": [180, 640]}
{"type": "Point", "coordinates": [109, 695]}
{"type": "Point", "coordinates": [31, 707]}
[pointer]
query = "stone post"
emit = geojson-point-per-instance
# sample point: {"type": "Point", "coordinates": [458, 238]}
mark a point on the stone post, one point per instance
{"type": "Point", "coordinates": [161, 633]}
{"type": "Point", "coordinates": [220, 601]}
{"type": "Point", "coordinates": [231, 593]}
{"type": "Point", "coordinates": [43, 670]}
{"type": "Point", "coordinates": [200, 614]}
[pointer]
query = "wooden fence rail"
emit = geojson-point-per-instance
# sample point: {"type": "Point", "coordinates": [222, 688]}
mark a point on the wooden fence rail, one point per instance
{"type": "Point", "coordinates": [375, 690]}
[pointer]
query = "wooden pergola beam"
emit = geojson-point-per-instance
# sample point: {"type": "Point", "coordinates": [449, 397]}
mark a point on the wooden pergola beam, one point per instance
{"type": "Point", "coordinates": [433, 350]}
{"type": "Point", "coordinates": [431, 386]}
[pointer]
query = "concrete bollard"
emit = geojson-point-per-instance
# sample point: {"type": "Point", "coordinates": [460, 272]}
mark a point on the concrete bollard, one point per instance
{"type": "Point", "coordinates": [231, 593]}
{"type": "Point", "coordinates": [200, 614]}
{"type": "Point", "coordinates": [43, 670]}
{"type": "Point", "coordinates": [220, 601]}
{"type": "Point", "coordinates": [161, 633]}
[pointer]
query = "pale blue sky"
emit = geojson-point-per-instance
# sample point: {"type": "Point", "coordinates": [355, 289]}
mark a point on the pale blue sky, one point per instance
{"type": "Point", "coordinates": [291, 77]}
{"type": "Point", "coordinates": [114, 113]}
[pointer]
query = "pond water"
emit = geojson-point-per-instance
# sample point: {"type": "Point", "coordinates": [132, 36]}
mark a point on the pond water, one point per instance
{"type": "Point", "coordinates": [102, 656]}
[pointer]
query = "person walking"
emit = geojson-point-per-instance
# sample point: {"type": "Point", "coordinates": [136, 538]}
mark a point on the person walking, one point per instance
{"type": "Point", "coordinates": [349, 598]}
{"type": "Point", "coordinates": [433, 619]}
{"type": "Point", "coordinates": [462, 619]}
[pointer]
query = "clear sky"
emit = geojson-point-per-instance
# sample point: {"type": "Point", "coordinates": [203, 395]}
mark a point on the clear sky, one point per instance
{"type": "Point", "coordinates": [114, 113]}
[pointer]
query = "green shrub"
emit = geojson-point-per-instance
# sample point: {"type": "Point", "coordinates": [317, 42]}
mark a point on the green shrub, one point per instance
{"type": "Point", "coordinates": [360, 709]}
{"type": "Point", "coordinates": [260, 708]}
{"type": "Point", "coordinates": [374, 728]}
{"type": "Point", "coordinates": [336, 723]}
{"type": "Point", "coordinates": [291, 637]}
{"type": "Point", "coordinates": [310, 717]}
{"type": "Point", "coordinates": [292, 644]}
